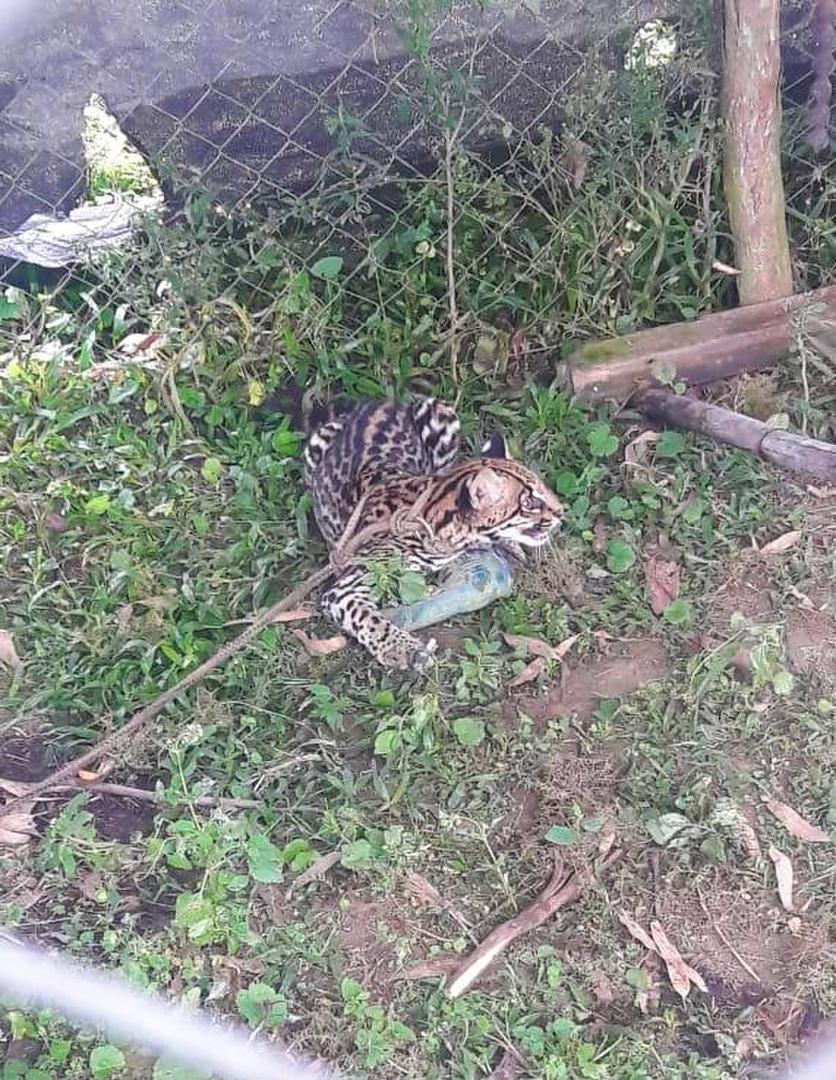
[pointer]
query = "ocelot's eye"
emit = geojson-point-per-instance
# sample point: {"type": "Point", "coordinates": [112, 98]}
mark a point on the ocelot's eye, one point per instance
{"type": "Point", "coordinates": [533, 503]}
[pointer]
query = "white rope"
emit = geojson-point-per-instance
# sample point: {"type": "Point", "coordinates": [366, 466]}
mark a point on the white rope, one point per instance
{"type": "Point", "coordinates": [95, 999]}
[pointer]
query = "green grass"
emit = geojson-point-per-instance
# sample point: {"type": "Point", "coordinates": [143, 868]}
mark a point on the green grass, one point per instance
{"type": "Point", "coordinates": [145, 512]}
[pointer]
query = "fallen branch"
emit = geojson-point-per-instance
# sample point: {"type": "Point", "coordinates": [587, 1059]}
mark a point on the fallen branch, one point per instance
{"type": "Point", "coordinates": [716, 346]}
{"type": "Point", "coordinates": [560, 891]}
{"type": "Point", "coordinates": [786, 449]}
{"type": "Point", "coordinates": [123, 791]}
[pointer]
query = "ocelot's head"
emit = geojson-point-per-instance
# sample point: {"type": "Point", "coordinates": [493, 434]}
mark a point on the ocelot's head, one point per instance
{"type": "Point", "coordinates": [503, 500]}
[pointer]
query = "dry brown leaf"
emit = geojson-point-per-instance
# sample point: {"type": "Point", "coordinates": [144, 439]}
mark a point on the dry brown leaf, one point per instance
{"type": "Point", "coordinates": [55, 523]}
{"type": "Point", "coordinates": [634, 930]}
{"type": "Point", "coordinates": [511, 1065]}
{"type": "Point", "coordinates": [318, 869]}
{"type": "Point", "coordinates": [781, 543]}
{"type": "Point", "coordinates": [606, 838]}
{"type": "Point", "coordinates": [90, 882]}
{"type": "Point", "coordinates": [422, 890]}
{"type": "Point", "coordinates": [662, 579]}
{"type": "Point", "coordinates": [529, 672]}
{"type": "Point", "coordinates": [600, 536]}
{"type": "Point", "coordinates": [540, 648]}
{"type": "Point", "coordinates": [784, 876]}
{"type": "Point", "coordinates": [680, 973]}
{"type": "Point", "coordinates": [602, 989]}
{"type": "Point", "coordinates": [795, 824]}
{"type": "Point", "coordinates": [124, 614]}
{"type": "Point", "coordinates": [631, 456]}
{"type": "Point", "coordinates": [533, 645]}
{"type": "Point", "coordinates": [575, 160]}
{"type": "Point", "coordinates": [17, 826]}
{"type": "Point", "coordinates": [141, 344]}
{"type": "Point", "coordinates": [8, 652]}
{"type": "Point", "coordinates": [517, 346]}
{"type": "Point", "coordinates": [320, 646]}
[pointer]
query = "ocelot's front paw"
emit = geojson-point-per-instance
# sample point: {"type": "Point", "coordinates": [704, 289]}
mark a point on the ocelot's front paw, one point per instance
{"type": "Point", "coordinates": [408, 653]}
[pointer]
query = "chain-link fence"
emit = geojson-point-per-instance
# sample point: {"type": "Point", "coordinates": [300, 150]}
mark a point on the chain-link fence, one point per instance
{"type": "Point", "coordinates": [382, 183]}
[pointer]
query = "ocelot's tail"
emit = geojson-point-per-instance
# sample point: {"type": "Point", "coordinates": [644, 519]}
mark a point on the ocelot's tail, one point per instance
{"type": "Point", "coordinates": [305, 409]}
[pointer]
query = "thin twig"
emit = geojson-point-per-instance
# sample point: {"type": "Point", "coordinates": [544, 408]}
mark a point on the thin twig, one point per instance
{"type": "Point", "coordinates": [450, 140]}
{"type": "Point", "coordinates": [123, 791]}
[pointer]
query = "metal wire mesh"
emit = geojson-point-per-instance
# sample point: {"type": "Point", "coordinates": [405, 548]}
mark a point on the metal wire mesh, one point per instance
{"type": "Point", "coordinates": [406, 163]}
{"type": "Point", "coordinates": [334, 168]}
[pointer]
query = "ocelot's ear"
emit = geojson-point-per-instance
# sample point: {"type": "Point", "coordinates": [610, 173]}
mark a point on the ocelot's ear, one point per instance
{"type": "Point", "coordinates": [495, 446]}
{"type": "Point", "coordinates": [483, 489]}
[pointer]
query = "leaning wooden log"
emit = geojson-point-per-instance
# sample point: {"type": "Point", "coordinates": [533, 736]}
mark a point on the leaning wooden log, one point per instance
{"type": "Point", "coordinates": [786, 449]}
{"type": "Point", "coordinates": [717, 346]}
{"type": "Point", "coordinates": [754, 188]}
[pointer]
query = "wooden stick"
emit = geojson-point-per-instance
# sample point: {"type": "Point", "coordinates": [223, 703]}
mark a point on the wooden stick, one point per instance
{"type": "Point", "coordinates": [122, 791]}
{"type": "Point", "coordinates": [559, 892]}
{"type": "Point", "coordinates": [751, 108]}
{"type": "Point", "coordinates": [717, 346]}
{"type": "Point", "coordinates": [785, 449]}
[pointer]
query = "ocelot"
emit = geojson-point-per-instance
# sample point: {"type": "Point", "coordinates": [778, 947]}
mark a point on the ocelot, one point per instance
{"type": "Point", "coordinates": [395, 457]}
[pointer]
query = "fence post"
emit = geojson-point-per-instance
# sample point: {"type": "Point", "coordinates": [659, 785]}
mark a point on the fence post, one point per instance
{"type": "Point", "coordinates": [752, 161]}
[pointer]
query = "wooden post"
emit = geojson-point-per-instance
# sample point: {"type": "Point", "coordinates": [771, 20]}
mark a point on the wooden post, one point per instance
{"type": "Point", "coordinates": [752, 160]}
{"type": "Point", "coordinates": [785, 449]}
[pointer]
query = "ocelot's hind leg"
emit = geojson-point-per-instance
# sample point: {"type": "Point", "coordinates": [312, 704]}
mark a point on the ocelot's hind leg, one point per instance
{"type": "Point", "coordinates": [350, 603]}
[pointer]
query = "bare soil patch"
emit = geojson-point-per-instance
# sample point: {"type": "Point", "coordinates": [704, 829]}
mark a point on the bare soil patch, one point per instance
{"type": "Point", "coordinates": [811, 635]}
{"type": "Point", "coordinates": [626, 667]}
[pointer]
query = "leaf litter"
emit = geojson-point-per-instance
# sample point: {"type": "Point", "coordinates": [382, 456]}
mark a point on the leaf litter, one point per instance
{"type": "Point", "coordinates": [682, 976]}
{"type": "Point", "coordinates": [784, 877]}
{"type": "Point", "coordinates": [795, 824]}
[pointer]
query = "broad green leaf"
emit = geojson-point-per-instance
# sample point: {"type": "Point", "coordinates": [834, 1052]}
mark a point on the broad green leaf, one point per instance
{"type": "Point", "coordinates": [678, 613]}
{"type": "Point", "coordinates": [387, 741]}
{"type": "Point", "coordinates": [670, 444]}
{"type": "Point", "coordinates": [468, 730]}
{"type": "Point", "coordinates": [168, 1069]}
{"type": "Point", "coordinates": [619, 508]}
{"type": "Point", "coordinates": [264, 859]}
{"type": "Point", "coordinates": [105, 1061]}
{"type": "Point", "coordinates": [601, 440]}
{"type": "Point", "coordinates": [620, 556]}
{"type": "Point", "coordinates": [412, 587]}
{"type": "Point", "coordinates": [562, 835]}
{"type": "Point", "coordinates": [98, 505]}
{"type": "Point", "coordinates": [260, 1004]}
{"type": "Point", "coordinates": [327, 268]}
{"type": "Point", "coordinates": [358, 855]}
{"type": "Point", "coordinates": [211, 470]}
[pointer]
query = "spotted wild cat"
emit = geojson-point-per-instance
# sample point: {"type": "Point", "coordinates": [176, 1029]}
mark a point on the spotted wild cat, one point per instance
{"type": "Point", "coordinates": [392, 456]}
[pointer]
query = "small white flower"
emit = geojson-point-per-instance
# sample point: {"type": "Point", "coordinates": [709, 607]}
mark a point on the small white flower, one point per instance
{"type": "Point", "coordinates": [653, 46]}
